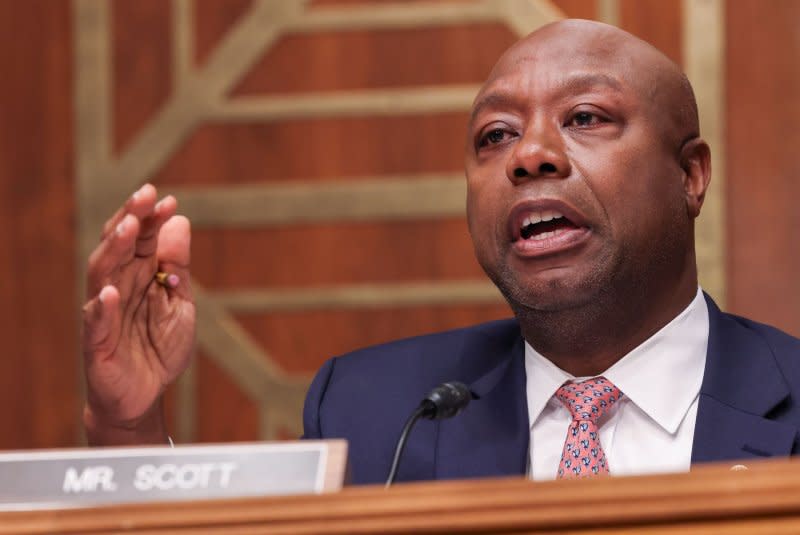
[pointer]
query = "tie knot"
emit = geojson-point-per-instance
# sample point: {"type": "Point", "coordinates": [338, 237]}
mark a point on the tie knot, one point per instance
{"type": "Point", "coordinates": [589, 400]}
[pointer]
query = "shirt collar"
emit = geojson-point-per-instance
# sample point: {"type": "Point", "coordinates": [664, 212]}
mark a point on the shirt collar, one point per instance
{"type": "Point", "coordinates": [662, 376]}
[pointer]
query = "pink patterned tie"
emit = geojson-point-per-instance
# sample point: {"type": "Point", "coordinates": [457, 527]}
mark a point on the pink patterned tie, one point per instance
{"type": "Point", "coordinates": [587, 402]}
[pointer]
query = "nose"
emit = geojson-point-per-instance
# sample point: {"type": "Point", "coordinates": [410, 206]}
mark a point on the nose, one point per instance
{"type": "Point", "coordinates": [539, 153]}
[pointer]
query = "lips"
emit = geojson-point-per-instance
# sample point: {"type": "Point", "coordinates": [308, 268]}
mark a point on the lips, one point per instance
{"type": "Point", "coordinates": [545, 226]}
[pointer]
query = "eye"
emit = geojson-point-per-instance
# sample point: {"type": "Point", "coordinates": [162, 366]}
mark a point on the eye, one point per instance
{"type": "Point", "coordinates": [583, 119]}
{"type": "Point", "coordinates": [493, 137]}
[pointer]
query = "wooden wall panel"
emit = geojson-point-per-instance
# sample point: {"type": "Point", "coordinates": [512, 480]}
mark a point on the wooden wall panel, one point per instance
{"type": "Point", "coordinates": [297, 339]}
{"type": "Point", "coordinates": [763, 80]}
{"type": "Point", "coordinates": [327, 254]}
{"type": "Point", "coordinates": [212, 19]}
{"type": "Point", "coordinates": [656, 21]}
{"type": "Point", "coordinates": [141, 61]}
{"type": "Point", "coordinates": [39, 395]}
{"type": "Point", "coordinates": [578, 9]}
{"type": "Point", "coordinates": [314, 149]}
{"type": "Point", "coordinates": [331, 61]}
{"type": "Point", "coordinates": [344, 253]}
{"type": "Point", "coordinates": [38, 361]}
{"type": "Point", "coordinates": [338, 3]}
{"type": "Point", "coordinates": [223, 412]}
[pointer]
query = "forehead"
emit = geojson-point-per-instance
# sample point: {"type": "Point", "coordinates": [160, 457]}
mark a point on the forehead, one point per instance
{"type": "Point", "coordinates": [570, 46]}
{"type": "Point", "coordinates": [508, 91]}
{"type": "Point", "coordinates": [564, 67]}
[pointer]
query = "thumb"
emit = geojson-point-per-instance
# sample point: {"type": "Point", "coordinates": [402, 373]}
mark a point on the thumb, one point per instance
{"type": "Point", "coordinates": [173, 253]}
{"type": "Point", "coordinates": [174, 241]}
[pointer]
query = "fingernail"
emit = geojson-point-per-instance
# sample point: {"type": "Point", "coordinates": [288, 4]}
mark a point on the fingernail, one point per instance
{"type": "Point", "coordinates": [102, 296]}
{"type": "Point", "coordinates": [173, 280]}
{"type": "Point", "coordinates": [159, 204]}
{"type": "Point", "coordinates": [136, 194]}
{"type": "Point", "coordinates": [120, 227]}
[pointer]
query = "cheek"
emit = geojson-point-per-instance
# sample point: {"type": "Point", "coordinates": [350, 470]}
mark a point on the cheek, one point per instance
{"type": "Point", "coordinates": [637, 189]}
{"type": "Point", "coordinates": [477, 208]}
{"type": "Point", "coordinates": [483, 211]}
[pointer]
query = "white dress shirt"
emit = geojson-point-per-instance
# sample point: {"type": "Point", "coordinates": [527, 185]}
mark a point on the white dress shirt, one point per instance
{"type": "Point", "coordinates": [651, 428]}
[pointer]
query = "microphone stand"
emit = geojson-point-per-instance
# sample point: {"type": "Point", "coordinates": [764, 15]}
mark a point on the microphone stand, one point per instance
{"type": "Point", "coordinates": [418, 413]}
{"type": "Point", "coordinates": [444, 401]}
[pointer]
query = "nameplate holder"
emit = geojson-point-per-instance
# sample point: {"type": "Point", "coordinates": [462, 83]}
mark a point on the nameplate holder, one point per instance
{"type": "Point", "coordinates": [54, 479]}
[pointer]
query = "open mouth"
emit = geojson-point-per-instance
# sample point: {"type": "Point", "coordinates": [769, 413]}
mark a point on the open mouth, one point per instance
{"type": "Point", "coordinates": [543, 225]}
{"type": "Point", "coordinates": [546, 227]}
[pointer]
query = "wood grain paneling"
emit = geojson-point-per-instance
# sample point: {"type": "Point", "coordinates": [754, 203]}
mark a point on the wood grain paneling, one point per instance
{"type": "Point", "coordinates": [329, 61]}
{"type": "Point", "coordinates": [141, 62]}
{"type": "Point", "coordinates": [656, 21]}
{"type": "Point", "coordinates": [38, 323]}
{"type": "Point", "coordinates": [578, 9]}
{"type": "Point", "coordinates": [327, 3]}
{"type": "Point", "coordinates": [212, 19]}
{"type": "Point", "coordinates": [329, 149]}
{"type": "Point", "coordinates": [312, 149]}
{"type": "Point", "coordinates": [763, 81]}
{"type": "Point", "coordinates": [223, 412]}
{"type": "Point", "coordinates": [301, 341]}
{"type": "Point", "coordinates": [39, 368]}
{"type": "Point", "coordinates": [334, 254]}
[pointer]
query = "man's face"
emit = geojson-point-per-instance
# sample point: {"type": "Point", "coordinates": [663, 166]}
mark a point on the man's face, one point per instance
{"type": "Point", "coordinates": [574, 182]}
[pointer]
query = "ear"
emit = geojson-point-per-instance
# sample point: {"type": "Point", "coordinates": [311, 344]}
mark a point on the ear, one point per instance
{"type": "Point", "coordinates": [695, 161]}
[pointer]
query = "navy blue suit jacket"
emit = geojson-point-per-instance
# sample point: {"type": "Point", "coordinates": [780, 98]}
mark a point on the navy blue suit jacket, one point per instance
{"type": "Point", "coordinates": [749, 400]}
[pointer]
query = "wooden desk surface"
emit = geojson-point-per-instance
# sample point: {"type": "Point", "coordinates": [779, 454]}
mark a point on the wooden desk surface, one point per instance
{"type": "Point", "coordinates": [765, 498]}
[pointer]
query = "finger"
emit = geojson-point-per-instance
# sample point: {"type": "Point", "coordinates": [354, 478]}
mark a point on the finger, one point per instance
{"type": "Point", "coordinates": [174, 253]}
{"type": "Point", "coordinates": [101, 324]}
{"type": "Point", "coordinates": [140, 204]}
{"type": "Point", "coordinates": [147, 241]}
{"type": "Point", "coordinates": [114, 252]}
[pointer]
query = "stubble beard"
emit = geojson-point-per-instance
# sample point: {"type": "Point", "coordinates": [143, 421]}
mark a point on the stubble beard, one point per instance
{"type": "Point", "coordinates": [564, 316]}
{"type": "Point", "coordinates": [605, 310]}
{"type": "Point", "coordinates": [598, 313]}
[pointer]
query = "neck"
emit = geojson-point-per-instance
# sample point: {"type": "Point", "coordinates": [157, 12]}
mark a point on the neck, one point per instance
{"type": "Point", "coordinates": [587, 340]}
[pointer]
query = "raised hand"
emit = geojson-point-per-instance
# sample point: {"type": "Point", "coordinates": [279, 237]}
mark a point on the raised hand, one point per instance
{"type": "Point", "coordinates": [138, 334]}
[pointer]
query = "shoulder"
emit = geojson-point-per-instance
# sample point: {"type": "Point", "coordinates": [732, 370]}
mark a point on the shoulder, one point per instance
{"type": "Point", "coordinates": [441, 346]}
{"type": "Point", "coordinates": [745, 330]}
{"type": "Point", "coordinates": [784, 347]}
{"type": "Point", "coordinates": [396, 375]}
{"type": "Point", "coordinates": [366, 396]}
{"type": "Point", "coordinates": [748, 351]}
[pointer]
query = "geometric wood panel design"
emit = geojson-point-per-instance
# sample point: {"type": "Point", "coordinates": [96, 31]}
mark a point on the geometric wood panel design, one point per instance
{"type": "Point", "coordinates": [207, 99]}
{"type": "Point", "coordinates": [763, 80]}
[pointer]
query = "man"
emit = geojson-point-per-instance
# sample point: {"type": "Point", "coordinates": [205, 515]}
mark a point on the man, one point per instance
{"type": "Point", "coordinates": [585, 174]}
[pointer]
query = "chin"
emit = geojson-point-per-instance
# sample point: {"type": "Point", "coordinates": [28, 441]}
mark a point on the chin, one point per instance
{"type": "Point", "coordinates": [548, 292]}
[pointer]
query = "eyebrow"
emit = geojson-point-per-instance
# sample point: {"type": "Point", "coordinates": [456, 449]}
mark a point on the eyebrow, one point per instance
{"type": "Point", "coordinates": [581, 82]}
{"type": "Point", "coordinates": [575, 83]}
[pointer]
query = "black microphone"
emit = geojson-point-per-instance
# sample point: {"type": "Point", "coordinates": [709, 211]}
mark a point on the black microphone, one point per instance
{"type": "Point", "coordinates": [444, 401]}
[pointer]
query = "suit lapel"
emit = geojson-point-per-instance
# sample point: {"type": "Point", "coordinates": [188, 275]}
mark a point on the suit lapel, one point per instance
{"type": "Point", "coordinates": [490, 438]}
{"type": "Point", "coordinates": [741, 385]}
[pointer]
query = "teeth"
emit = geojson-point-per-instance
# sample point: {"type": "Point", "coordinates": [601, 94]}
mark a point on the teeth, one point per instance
{"type": "Point", "coordinates": [539, 217]}
{"type": "Point", "coordinates": [545, 235]}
